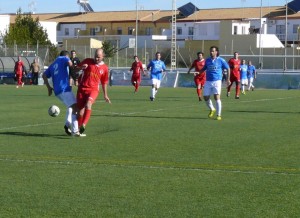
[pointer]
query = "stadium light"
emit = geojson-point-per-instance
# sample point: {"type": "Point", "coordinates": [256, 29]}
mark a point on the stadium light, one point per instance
{"type": "Point", "coordinates": [136, 27]}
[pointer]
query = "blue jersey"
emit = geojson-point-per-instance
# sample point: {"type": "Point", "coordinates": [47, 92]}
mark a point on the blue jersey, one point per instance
{"type": "Point", "coordinates": [214, 68]}
{"type": "Point", "coordinates": [59, 72]}
{"type": "Point", "coordinates": [244, 70]}
{"type": "Point", "coordinates": [157, 66]}
{"type": "Point", "coordinates": [251, 71]}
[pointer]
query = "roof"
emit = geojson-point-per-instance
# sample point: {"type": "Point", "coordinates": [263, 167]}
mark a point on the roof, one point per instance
{"type": "Point", "coordinates": [275, 12]}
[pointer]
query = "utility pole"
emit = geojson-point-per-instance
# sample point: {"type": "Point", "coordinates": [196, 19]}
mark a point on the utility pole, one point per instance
{"type": "Point", "coordinates": [174, 32]}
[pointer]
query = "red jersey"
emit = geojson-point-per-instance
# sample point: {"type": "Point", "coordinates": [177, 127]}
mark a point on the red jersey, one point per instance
{"type": "Point", "coordinates": [235, 65]}
{"type": "Point", "coordinates": [93, 75]}
{"type": "Point", "coordinates": [136, 67]}
{"type": "Point", "coordinates": [19, 67]}
{"type": "Point", "coordinates": [198, 64]}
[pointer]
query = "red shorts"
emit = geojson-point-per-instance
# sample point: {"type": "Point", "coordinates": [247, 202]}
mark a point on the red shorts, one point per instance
{"type": "Point", "coordinates": [199, 80]}
{"type": "Point", "coordinates": [136, 78]}
{"type": "Point", "coordinates": [83, 96]}
{"type": "Point", "coordinates": [235, 78]}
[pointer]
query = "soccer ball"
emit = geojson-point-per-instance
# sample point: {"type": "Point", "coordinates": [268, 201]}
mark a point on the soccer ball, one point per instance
{"type": "Point", "coordinates": [53, 111]}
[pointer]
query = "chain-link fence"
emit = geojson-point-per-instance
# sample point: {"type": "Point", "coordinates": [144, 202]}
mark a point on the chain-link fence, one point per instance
{"type": "Point", "coordinates": [277, 58]}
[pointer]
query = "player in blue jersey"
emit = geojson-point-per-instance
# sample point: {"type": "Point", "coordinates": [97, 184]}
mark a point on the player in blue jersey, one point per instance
{"type": "Point", "coordinates": [244, 79]}
{"type": "Point", "coordinates": [214, 66]}
{"type": "Point", "coordinates": [157, 67]}
{"type": "Point", "coordinates": [251, 75]}
{"type": "Point", "coordinates": [58, 71]}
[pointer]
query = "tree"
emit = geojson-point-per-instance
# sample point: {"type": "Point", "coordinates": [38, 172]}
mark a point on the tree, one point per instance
{"type": "Point", "coordinates": [108, 49]}
{"type": "Point", "coordinates": [27, 31]}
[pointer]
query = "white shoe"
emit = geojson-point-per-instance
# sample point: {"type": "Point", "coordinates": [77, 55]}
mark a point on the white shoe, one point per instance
{"type": "Point", "coordinates": [78, 134]}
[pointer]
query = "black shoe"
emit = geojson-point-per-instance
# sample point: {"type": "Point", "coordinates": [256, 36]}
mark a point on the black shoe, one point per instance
{"type": "Point", "coordinates": [237, 97]}
{"type": "Point", "coordinates": [67, 130]}
{"type": "Point", "coordinates": [151, 99]}
{"type": "Point", "coordinates": [82, 129]}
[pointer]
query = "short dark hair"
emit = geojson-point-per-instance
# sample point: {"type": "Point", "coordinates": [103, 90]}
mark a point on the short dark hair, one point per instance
{"type": "Point", "coordinates": [73, 51]}
{"type": "Point", "coordinates": [64, 53]}
{"type": "Point", "coordinates": [215, 47]}
{"type": "Point", "coordinates": [200, 52]}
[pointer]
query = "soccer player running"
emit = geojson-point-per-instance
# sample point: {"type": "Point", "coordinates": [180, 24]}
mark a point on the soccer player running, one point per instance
{"type": "Point", "coordinates": [157, 67]}
{"type": "Point", "coordinates": [244, 79]}
{"type": "Point", "coordinates": [251, 75]}
{"type": "Point", "coordinates": [95, 71]}
{"type": "Point", "coordinates": [234, 64]}
{"type": "Point", "coordinates": [214, 66]}
{"type": "Point", "coordinates": [19, 70]}
{"type": "Point", "coordinates": [136, 68]}
{"type": "Point", "coordinates": [58, 71]}
{"type": "Point", "coordinates": [199, 78]}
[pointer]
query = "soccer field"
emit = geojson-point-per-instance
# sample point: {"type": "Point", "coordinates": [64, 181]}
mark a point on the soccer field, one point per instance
{"type": "Point", "coordinates": [151, 159]}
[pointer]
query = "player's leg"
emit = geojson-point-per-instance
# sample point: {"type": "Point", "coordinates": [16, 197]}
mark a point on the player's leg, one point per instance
{"type": "Point", "coordinates": [153, 87]}
{"type": "Point", "coordinates": [237, 89]}
{"type": "Point", "coordinates": [88, 109]}
{"type": "Point", "coordinates": [217, 93]}
{"type": "Point", "coordinates": [207, 92]}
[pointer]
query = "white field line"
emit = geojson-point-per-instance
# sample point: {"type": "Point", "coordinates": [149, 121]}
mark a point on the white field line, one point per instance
{"type": "Point", "coordinates": [29, 125]}
{"type": "Point", "coordinates": [199, 169]}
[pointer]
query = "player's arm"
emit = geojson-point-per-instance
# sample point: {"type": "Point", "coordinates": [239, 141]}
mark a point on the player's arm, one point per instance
{"type": "Point", "coordinates": [46, 81]}
{"type": "Point", "coordinates": [104, 89]}
{"type": "Point", "coordinates": [228, 76]}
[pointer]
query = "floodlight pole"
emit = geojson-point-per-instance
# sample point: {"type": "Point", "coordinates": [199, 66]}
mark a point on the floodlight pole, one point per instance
{"type": "Point", "coordinates": [136, 27]}
{"type": "Point", "coordinates": [260, 27]}
{"type": "Point", "coordinates": [285, 38]}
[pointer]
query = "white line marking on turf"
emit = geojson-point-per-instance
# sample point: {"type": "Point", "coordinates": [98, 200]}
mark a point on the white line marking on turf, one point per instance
{"type": "Point", "coordinates": [29, 125]}
{"type": "Point", "coordinates": [208, 169]}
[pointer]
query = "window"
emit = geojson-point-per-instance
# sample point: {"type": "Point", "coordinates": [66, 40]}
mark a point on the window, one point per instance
{"type": "Point", "coordinates": [130, 30]}
{"type": "Point", "coordinates": [235, 30]}
{"type": "Point", "coordinates": [58, 27]}
{"type": "Point", "coordinates": [280, 29]}
{"type": "Point", "coordinates": [149, 31]}
{"type": "Point", "coordinates": [76, 31]}
{"type": "Point", "coordinates": [119, 30]}
{"type": "Point", "coordinates": [295, 28]}
{"type": "Point", "coordinates": [243, 30]}
{"type": "Point", "coordinates": [191, 31]}
{"type": "Point", "coordinates": [92, 31]}
{"type": "Point", "coordinates": [66, 31]}
{"type": "Point", "coordinates": [179, 30]}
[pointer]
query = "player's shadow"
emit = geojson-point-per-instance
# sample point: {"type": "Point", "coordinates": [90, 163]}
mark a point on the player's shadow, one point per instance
{"type": "Point", "coordinates": [267, 112]}
{"type": "Point", "coordinates": [27, 134]}
{"type": "Point", "coordinates": [151, 117]}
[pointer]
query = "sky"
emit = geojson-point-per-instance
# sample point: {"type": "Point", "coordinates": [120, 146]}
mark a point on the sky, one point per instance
{"type": "Point", "coordinates": [63, 6]}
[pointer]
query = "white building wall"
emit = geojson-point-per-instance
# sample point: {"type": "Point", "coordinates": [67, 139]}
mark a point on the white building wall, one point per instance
{"type": "Point", "coordinates": [4, 24]}
{"type": "Point", "coordinates": [50, 27]}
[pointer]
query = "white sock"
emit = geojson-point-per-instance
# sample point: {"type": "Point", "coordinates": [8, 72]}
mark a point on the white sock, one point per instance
{"type": "Point", "coordinates": [69, 116]}
{"type": "Point", "coordinates": [209, 104]}
{"type": "Point", "coordinates": [153, 92]}
{"type": "Point", "coordinates": [74, 123]}
{"type": "Point", "coordinates": [219, 107]}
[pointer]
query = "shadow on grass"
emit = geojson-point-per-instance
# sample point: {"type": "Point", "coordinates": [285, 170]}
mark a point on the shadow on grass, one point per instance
{"type": "Point", "coordinates": [269, 112]}
{"type": "Point", "coordinates": [42, 135]}
{"type": "Point", "coordinates": [151, 117]}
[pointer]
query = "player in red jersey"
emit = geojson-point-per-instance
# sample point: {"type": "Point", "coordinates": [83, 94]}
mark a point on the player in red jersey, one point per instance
{"type": "Point", "coordinates": [199, 79]}
{"type": "Point", "coordinates": [19, 71]}
{"type": "Point", "coordinates": [235, 68]}
{"type": "Point", "coordinates": [136, 68]}
{"type": "Point", "coordinates": [95, 72]}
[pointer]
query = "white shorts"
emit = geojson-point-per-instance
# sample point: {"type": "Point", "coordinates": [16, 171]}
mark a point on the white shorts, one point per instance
{"type": "Point", "coordinates": [244, 82]}
{"type": "Point", "coordinates": [67, 98]}
{"type": "Point", "coordinates": [212, 88]}
{"type": "Point", "coordinates": [250, 80]}
{"type": "Point", "coordinates": [156, 82]}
